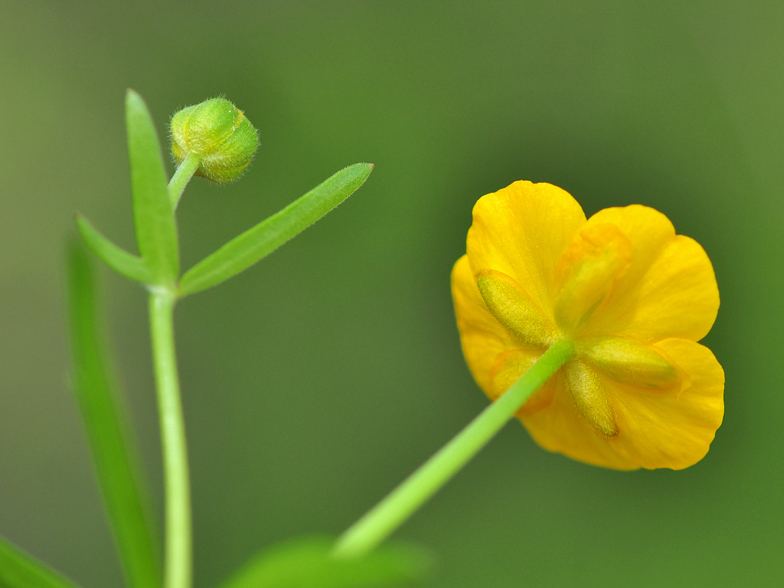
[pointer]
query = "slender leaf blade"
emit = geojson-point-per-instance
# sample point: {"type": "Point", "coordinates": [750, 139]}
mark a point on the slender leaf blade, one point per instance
{"type": "Point", "coordinates": [20, 570]}
{"type": "Point", "coordinates": [256, 243]}
{"type": "Point", "coordinates": [156, 228]}
{"type": "Point", "coordinates": [307, 562]}
{"type": "Point", "coordinates": [115, 257]}
{"type": "Point", "coordinates": [113, 453]}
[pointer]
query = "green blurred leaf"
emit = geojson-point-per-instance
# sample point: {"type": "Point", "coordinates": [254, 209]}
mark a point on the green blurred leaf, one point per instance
{"type": "Point", "coordinates": [306, 562]}
{"type": "Point", "coordinates": [156, 229]}
{"type": "Point", "coordinates": [118, 259]}
{"type": "Point", "coordinates": [256, 243]}
{"type": "Point", "coordinates": [19, 570]}
{"type": "Point", "coordinates": [106, 427]}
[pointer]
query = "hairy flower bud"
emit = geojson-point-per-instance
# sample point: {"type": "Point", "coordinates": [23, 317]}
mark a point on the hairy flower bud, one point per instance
{"type": "Point", "coordinates": [218, 134]}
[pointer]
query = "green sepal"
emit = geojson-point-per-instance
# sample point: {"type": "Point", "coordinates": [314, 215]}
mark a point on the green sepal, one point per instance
{"type": "Point", "coordinates": [114, 454]}
{"type": "Point", "coordinates": [256, 243]}
{"type": "Point", "coordinates": [156, 228]}
{"type": "Point", "coordinates": [306, 562]}
{"type": "Point", "coordinates": [20, 570]}
{"type": "Point", "coordinates": [117, 258]}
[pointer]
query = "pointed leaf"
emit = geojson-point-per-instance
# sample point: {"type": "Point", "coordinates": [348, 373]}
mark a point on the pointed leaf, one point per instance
{"type": "Point", "coordinates": [20, 570]}
{"type": "Point", "coordinates": [115, 257]}
{"type": "Point", "coordinates": [106, 426]}
{"type": "Point", "coordinates": [254, 244]}
{"type": "Point", "coordinates": [306, 562]}
{"type": "Point", "coordinates": [156, 229]}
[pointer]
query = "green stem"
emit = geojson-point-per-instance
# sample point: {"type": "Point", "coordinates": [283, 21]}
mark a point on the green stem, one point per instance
{"type": "Point", "coordinates": [181, 178]}
{"type": "Point", "coordinates": [175, 454]}
{"type": "Point", "coordinates": [364, 535]}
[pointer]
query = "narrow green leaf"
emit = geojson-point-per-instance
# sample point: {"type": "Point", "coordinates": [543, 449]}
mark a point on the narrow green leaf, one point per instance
{"type": "Point", "coordinates": [115, 257]}
{"type": "Point", "coordinates": [156, 229]}
{"type": "Point", "coordinates": [113, 453]}
{"type": "Point", "coordinates": [20, 570]}
{"type": "Point", "coordinates": [306, 562]}
{"type": "Point", "coordinates": [254, 244]}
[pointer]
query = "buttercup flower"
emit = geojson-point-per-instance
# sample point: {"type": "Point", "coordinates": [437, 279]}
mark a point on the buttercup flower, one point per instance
{"type": "Point", "coordinates": [632, 296]}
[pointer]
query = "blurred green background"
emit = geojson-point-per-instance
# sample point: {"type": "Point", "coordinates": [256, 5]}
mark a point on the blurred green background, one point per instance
{"type": "Point", "coordinates": [316, 381]}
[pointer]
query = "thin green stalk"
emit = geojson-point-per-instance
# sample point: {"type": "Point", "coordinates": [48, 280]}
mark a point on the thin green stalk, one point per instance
{"type": "Point", "coordinates": [178, 549]}
{"type": "Point", "coordinates": [181, 177]}
{"type": "Point", "coordinates": [381, 521]}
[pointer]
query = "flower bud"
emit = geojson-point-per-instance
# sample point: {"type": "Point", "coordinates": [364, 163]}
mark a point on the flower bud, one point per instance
{"type": "Point", "coordinates": [219, 134]}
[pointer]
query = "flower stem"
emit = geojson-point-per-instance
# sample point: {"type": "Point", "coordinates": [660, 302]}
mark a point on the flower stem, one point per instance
{"type": "Point", "coordinates": [381, 521]}
{"type": "Point", "coordinates": [181, 177]}
{"type": "Point", "coordinates": [175, 453]}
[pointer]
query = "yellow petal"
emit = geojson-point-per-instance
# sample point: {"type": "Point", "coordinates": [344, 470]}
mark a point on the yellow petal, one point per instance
{"type": "Point", "coordinates": [669, 289]}
{"type": "Point", "coordinates": [560, 427]}
{"type": "Point", "coordinates": [522, 231]}
{"type": "Point", "coordinates": [655, 429]}
{"type": "Point", "coordinates": [482, 337]}
{"type": "Point", "coordinates": [675, 429]}
{"type": "Point", "coordinates": [509, 367]}
{"type": "Point", "coordinates": [678, 297]}
{"type": "Point", "coordinates": [514, 309]}
{"type": "Point", "coordinates": [588, 272]}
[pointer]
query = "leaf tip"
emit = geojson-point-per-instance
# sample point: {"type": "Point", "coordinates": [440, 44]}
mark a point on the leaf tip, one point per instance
{"type": "Point", "coordinates": [80, 220]}
{"type": "Point", "coordinates": [82, 223]}
{"type": "Point", "coordinates": [363, 168]}
{"type": "Point", "coordinates": [134, 102]}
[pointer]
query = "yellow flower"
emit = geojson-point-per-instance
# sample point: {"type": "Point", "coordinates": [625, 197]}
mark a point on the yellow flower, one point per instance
{"type": "Point", "coordinates": [631, 295]}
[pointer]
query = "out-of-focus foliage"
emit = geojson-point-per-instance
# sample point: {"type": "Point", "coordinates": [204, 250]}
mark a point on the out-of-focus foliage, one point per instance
{"type": "Point", "coordinates": [112, 445]}
{"type": "Point", "coordinates": [307, 562]}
